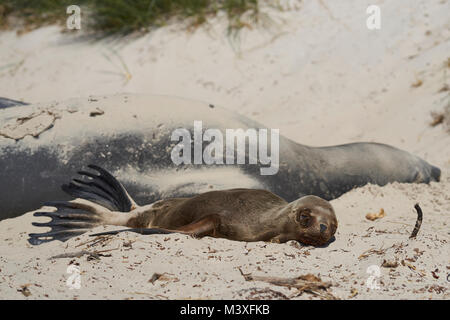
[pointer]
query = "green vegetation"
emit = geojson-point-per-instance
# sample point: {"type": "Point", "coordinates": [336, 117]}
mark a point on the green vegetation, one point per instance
{"type": "Point", "coordinates": [124, 16]}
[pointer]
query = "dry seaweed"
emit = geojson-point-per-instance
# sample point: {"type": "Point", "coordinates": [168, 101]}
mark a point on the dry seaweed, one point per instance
{"type": "Point", "coordinates": [92, 255]}
{"type": "Point", "coordinates": [418, 221]}
{"type": "Point", "coordinates": [375, 216]}
{"type": "Point", "coordinates": [304, 283]}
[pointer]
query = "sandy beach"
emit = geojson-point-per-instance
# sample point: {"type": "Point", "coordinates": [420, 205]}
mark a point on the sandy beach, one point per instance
{"type": "Point", "coordinates": [318, 74]}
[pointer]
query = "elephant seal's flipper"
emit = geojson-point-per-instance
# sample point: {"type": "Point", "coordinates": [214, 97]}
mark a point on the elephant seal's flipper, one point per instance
{"type": "Point", "coordinates": [435, 173]}
{"type": "Point", "coordinates": [102, 189]}
{"type": "Point", "coordinates": [67, 221]}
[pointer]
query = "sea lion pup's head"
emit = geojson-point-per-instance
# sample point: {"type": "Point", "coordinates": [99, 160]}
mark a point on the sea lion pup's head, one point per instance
{"type": "Point", "coordinates": [313, 220]}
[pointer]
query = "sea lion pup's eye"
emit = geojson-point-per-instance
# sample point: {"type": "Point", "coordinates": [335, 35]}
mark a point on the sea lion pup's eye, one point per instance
{"type": "Point", "coordinates": [303, 217]}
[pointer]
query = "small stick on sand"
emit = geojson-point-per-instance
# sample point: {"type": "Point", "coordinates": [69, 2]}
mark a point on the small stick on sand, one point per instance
{"type": "Point", "coordinates": [95, 240]}
{"type": "Point", "coordinates": [305, 283]}
{"type": "Point", "coordinates": [79, 254]}
{"type": "Point", "coordinates": [418, 221]}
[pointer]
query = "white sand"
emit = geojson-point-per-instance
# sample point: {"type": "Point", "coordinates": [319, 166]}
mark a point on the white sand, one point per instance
{"type": "Point", "coordinates": [321, 77]}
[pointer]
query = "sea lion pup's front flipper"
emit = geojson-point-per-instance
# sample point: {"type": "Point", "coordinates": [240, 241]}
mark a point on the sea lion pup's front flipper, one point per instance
{"type": "Point", "coordinates": [144, 231]}
{"type": "Point", "coordinates": [97, 198]}
{"type": "Point", "coordinates": [203, 227]}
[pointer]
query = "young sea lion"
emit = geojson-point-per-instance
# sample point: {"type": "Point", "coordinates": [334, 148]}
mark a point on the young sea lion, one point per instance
{"type": "Point", "coordinates": [132, 138]}
{"type": "Point", "coordinates": [236, 214]}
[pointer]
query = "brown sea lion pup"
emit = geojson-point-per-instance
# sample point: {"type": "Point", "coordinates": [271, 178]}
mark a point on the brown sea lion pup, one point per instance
{"type": "Point", "coordinates": [235, 214]}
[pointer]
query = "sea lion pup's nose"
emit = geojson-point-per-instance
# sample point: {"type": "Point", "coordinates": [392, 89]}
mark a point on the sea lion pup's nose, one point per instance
{"type": "Point", "coordinates": [323, 228]}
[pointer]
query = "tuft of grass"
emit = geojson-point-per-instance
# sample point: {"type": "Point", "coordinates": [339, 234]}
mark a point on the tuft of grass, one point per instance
{"type": "Point", "coordinates": [33, 13]}
{"type": "Point", "coordinates": [125, 16]}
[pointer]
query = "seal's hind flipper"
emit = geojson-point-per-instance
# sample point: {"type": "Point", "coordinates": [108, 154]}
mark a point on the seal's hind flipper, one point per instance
{"type": "Point", "coordinates": [96, 197]}
{"type": "Point", "coordinates": [102, 189]}
{"type": "Point", "coordinates": [66, 222]}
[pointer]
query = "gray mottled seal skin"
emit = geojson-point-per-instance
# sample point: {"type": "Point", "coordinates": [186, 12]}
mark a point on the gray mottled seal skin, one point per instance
{"type": "Point", "coordinates": [234, 214]}
{"type": "Point", "coordinates": [42, 145]}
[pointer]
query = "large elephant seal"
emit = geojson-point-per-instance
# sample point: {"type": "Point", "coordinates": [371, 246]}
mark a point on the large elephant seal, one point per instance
{"type": "Point", "coordinates": [41, 145]}
{"type": "Point", "coordinates": [236, 214]}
